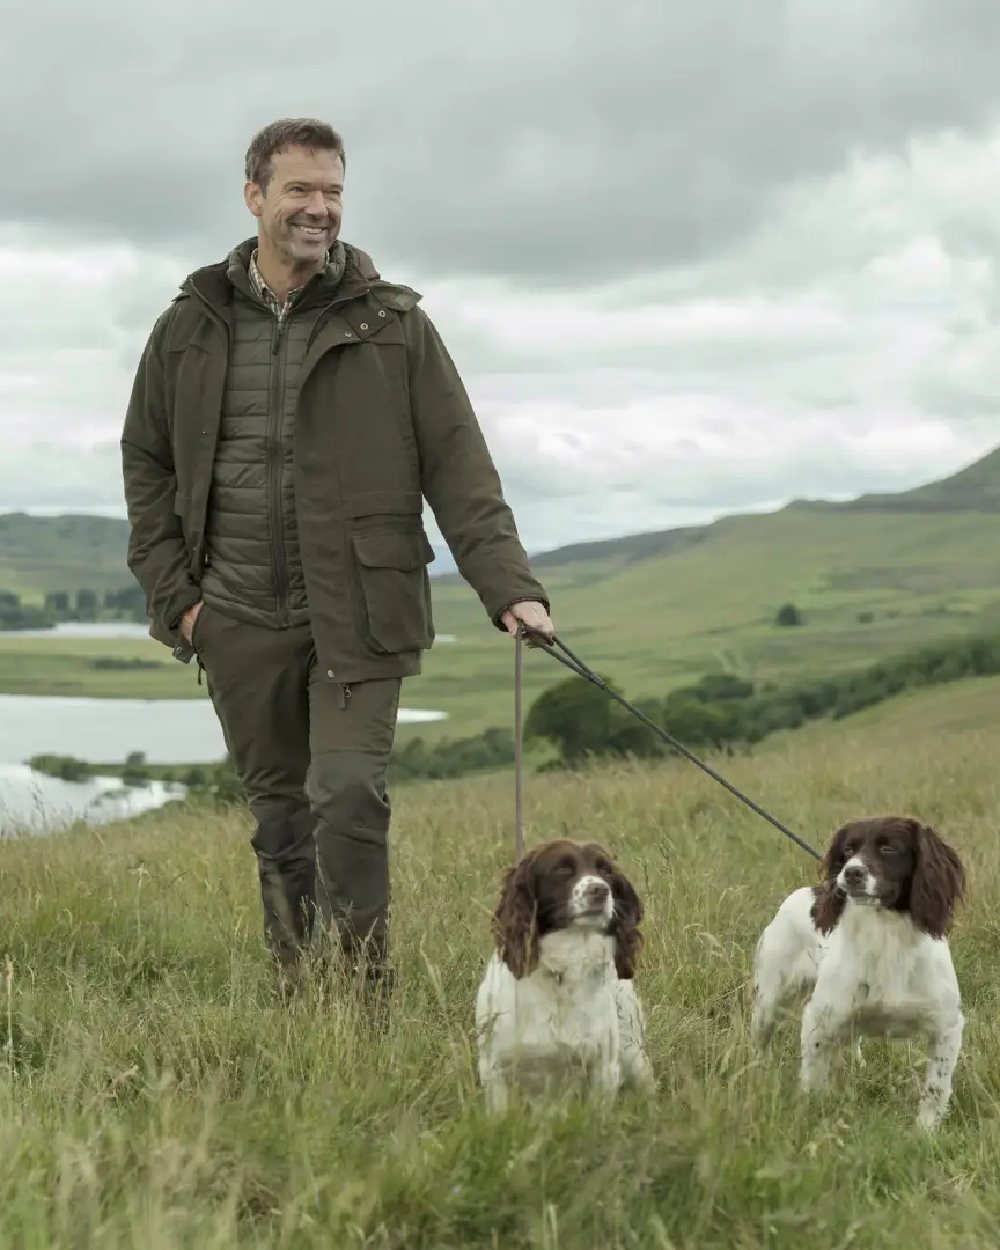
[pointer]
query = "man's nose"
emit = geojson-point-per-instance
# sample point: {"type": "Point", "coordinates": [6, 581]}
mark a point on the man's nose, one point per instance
{"type": "Point", "coordinates": [316, 205]}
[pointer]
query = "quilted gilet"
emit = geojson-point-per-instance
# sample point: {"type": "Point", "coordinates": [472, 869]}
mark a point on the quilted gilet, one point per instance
{"type": "Point", "coordinates": [254, 567]}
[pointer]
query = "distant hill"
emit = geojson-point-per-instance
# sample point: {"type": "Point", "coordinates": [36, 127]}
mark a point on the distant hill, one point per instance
{"type": "Point", "coordinates": [626, 550]}
{"type": "Point", "coordinates": [975, 488]}
{"type": "Point", "coordinates": [69, 552]}
{"type": "Point", "coordinates": [41, 554]}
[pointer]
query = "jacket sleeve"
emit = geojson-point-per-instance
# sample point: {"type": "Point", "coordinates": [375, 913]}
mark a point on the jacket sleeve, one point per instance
{"type": "Point", "coordinates": [157, 554]}
{"type": "Point", "coordinates": [459, 479]}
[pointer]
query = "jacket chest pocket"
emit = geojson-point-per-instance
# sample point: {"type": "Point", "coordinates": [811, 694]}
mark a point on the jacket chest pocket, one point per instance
{"type": "Point", "coordinates": [395, 589]}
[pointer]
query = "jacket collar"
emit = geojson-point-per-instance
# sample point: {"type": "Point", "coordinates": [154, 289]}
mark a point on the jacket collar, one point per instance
{"type": "Point", "coordinates": [215, 283]}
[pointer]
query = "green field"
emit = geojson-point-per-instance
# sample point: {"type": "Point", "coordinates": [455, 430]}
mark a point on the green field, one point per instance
{"type": "Point", "coordinates": [152, 1094]}
{"type": "Point", "coordinates": [870, 585]}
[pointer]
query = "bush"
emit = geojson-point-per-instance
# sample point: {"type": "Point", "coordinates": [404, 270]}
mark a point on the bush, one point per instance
{"type": "Point", "coordinates": [718, 687]}
{"type": "Point", "coordinates": [64, 767]}
{"type": "Point", "coordinates": [136, 771]}
{"type": "Point", "coordinates": [24, 616]}
{"type": "Point", "coordinates": [577, 718]}
{"type": "Point", "coordinates": [722, 710]}
{"type": "Point", "coordinates": [788, 614]}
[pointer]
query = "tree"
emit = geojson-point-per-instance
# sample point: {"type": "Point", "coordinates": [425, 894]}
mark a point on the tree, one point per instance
{"type": "Point", "coordinates": [86, 602]}
{"type": "Point", "coordinates": [576, 717]}
{"type": "Point", "coordinates": [715, 687]}
{"type": "Point", "coordinates": [788, 614]}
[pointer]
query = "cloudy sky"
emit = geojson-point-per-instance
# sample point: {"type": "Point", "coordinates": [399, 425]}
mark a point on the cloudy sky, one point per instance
{"type": "Point", "coordinates": [690, 257]}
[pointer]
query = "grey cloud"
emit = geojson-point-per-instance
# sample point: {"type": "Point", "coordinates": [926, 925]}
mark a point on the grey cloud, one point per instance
{"type": "Point", "coordinates": [557, 142]}
{"type": "Point", "coordinates": [572, 185]}
{"type": "Point", "coordinates": [68, 478]}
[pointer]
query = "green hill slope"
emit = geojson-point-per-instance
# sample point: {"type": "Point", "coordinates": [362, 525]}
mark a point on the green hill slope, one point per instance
{"type": "Point", "coordinates": [69, 552]}
{"type": "Point", "coordinates": [652, 611]}
{"type": "Point", "coordinates": [868, 586]}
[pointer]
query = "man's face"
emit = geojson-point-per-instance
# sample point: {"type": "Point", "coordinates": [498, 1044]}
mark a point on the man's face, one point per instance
{"type": "Point", "coordinates": [300, 211]}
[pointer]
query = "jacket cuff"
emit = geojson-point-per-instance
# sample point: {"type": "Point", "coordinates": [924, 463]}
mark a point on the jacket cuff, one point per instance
{"type": "Point", "coordinates": [179, 604]}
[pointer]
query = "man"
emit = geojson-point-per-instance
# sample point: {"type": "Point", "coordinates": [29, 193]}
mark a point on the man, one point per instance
{"type": "Point", "coordinates": [290, 410]}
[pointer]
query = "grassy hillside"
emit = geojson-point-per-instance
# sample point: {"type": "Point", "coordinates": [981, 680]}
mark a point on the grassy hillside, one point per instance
{"type": "Point", "coordinates": [869, 586]}
{"type": "Point", "coordinates": [654, 611]}
{"type": "Point", "coordinates": [153, 1094]}
{"type": "Point", "coordinates": [39, 554]}
{"type": "Point", "coordinates": [70, 552]}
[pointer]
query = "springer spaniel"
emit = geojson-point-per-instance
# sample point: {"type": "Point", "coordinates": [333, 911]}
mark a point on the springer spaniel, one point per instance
{"type": "Point", "coordinates": [870, 943]}
{"type": "Point", "coordinates": [557, 1001]}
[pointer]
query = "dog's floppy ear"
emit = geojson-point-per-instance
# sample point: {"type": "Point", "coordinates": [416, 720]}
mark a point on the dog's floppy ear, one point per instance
{"type": "Point", "coordinates": [938, 882]}
{"type": "Point", "coordinates": [829, 903]}
{"type": "Point", "coordinates": [627, 918]}
{"type": "Point", "coordinates": [515, 921]}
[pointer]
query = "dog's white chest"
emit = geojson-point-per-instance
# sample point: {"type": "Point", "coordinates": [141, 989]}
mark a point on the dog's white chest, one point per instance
{"type": "Point", "coordinates": [556, 1040]}
{"type": "Point", "coordinates": [559, 1025]}
{"type": "Point", "coordinates": [878, 970]}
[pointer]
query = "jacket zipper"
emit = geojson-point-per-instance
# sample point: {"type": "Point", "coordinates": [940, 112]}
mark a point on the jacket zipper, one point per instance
{"type": "Point", "coordinates": [276, 454]}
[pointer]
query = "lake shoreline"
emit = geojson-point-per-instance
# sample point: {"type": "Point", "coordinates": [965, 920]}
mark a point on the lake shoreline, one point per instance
{"type": "Point", "coordinates": [101, 660]}
{"type": "Point", "coordinates": [156, 743]}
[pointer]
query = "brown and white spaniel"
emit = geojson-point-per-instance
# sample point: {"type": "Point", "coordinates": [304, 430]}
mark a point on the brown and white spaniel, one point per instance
{"type": "Point", "coordinates": [870, 943]}
{"type": "Point", "coordinates": [557, 1003]}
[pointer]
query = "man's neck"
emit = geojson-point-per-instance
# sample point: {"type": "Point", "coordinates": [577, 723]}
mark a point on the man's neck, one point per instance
{"type": "Point", "coordinates": [281, 278]}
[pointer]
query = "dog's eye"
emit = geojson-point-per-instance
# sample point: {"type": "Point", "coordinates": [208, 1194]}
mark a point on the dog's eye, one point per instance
{"type": "Point", "coordinates": [888, 849]}
{"type": "Point", "coordinates": [565, 868]}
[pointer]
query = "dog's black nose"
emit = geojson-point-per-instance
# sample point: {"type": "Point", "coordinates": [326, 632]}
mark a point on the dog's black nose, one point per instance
{"type": "Point", "coordinates": [854, 874]}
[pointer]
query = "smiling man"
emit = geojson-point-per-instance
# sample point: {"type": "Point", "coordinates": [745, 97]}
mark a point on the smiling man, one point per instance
{"type": "Point", "coordinates": [290, 412]}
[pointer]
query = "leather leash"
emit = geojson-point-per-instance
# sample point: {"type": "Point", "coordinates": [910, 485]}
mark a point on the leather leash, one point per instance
{"type": "Point", "coordinates": [518, 748]}
{"type": "Point", "coordinates": [553, 646]}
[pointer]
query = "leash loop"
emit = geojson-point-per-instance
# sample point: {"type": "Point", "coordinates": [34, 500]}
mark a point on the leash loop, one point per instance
{"type": "Point", "coordinates": [553, 646]}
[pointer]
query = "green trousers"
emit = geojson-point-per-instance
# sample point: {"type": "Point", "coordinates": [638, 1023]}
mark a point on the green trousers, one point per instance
{"type": "Point", "coordinates": [312, 757]}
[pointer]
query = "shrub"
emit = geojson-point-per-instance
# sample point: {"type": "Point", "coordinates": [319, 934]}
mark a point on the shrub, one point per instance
{"type": "Point", "coordinates": [788, 614]}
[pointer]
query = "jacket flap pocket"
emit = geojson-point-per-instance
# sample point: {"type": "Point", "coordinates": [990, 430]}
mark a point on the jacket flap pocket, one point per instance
{"type": "Point", "coordinates": [394, 550]}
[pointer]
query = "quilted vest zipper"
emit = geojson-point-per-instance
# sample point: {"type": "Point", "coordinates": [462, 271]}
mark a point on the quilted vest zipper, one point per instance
{"type": "Point", "coordinates": [275, 449]}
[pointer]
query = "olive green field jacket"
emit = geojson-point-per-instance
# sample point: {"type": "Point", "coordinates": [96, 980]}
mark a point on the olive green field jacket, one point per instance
{"type": "Point", "coordinates": [383, 422]}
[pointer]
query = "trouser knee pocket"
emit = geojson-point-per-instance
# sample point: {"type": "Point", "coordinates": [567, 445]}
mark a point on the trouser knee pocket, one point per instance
{"type": "Point", "coordinates": [352, 834]}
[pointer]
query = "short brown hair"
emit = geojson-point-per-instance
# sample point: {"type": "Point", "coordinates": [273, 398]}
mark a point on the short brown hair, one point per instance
{"type": "Point", "coordinates": [305, 132]}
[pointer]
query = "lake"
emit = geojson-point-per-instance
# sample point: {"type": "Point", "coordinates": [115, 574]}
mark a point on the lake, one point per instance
{"type": "Point", "coordinates": [104, 731]}
{"type": "Point", "coordinates": [34, 803]}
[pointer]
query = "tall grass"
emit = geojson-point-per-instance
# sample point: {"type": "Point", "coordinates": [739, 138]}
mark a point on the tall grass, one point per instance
{"type": "Point", "coordinates": [153, 1094]}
